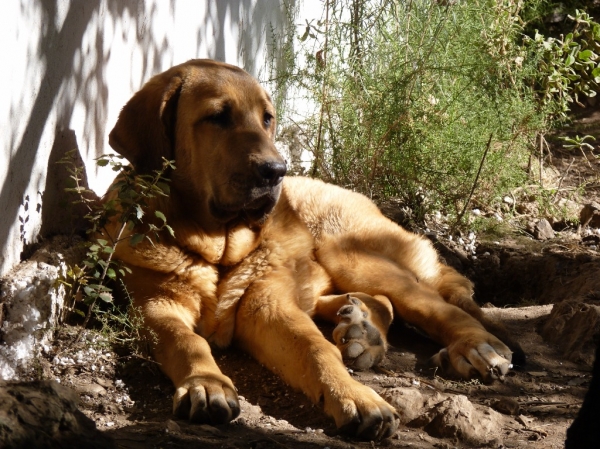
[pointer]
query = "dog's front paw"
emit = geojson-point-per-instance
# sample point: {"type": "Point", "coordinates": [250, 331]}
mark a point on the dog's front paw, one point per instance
{"type": "Point", "coordinates": [206, 399]}
{"type": "Point", "coordinates": [360, 412]}
{"type": "Point", "coordinates": [359, 341]}
{"type": "Point", "coordinates": [476, 353]}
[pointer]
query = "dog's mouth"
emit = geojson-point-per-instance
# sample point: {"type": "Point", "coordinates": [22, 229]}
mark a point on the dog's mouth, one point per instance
{"type": "Point", "coordinates": [253, 207]}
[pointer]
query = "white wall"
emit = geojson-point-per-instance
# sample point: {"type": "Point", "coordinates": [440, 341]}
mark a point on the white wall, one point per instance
{"type": "Point", "coordinates": [69, 66]}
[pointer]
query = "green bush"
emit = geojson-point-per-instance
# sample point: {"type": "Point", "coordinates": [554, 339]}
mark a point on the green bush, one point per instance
{"type": "Point", "coordinates": [569, 66]}
{"type": "Point", "coordinates": [434, 101]}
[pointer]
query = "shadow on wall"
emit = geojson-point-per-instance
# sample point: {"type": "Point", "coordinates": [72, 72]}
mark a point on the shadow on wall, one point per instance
{"type": "Point", "coordinates": [74, 73]}
{"type": "Point", "coordinates": [254, 25]}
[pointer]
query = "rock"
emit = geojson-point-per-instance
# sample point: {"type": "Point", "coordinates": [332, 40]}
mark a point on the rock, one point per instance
{"type": "Point", "coordinates": [590, 215]}
{"type": "Point", "coordinates": [573, 325]}
{"type": "Point", "coordinates": [92, 389]}
{"type": "Point", "coordinates": [407, 401]}
{"type": "Point", "coordinates": [542, 230]}
{"type": "Point", "coordinates": [33, 301]}
{"type": "Point", "coordinates": [210, 429]}
{"type": "Point", "coordinates": [44, 414]}
{"type": "Point", "coordinates": [456, 417]}
{"type": "Point", "coordinates": [568, 207]}
{"type": "Point", "coordinates": [172, 426]}
{"type": "Point", "coordinates": [506, 406]}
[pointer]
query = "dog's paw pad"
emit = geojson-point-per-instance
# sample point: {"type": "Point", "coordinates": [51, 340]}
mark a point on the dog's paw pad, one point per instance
{"type": "Point", "coordinates": [357, 339]}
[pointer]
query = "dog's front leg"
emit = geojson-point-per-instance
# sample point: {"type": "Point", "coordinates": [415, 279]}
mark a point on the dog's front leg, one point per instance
{"type": "Point", "coordinates": [203, 393]}
{"type": "Point", "coordinates": [273, 329]}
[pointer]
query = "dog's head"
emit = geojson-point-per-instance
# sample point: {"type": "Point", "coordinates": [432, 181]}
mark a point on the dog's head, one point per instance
{"type": "Point", "coordinates": [218, 124]}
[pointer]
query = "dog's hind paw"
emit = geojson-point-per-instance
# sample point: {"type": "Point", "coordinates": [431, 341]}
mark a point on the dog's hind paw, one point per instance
{"type": "Point", "coordinates": [360, 342]}
{"type": "Point", "coordinates": [477, 354]}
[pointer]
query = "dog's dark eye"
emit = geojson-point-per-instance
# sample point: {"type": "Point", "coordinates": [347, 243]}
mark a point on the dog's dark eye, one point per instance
{"type": "Point", "coordinates": [267, 119]}
{"type": "Point", "coordinates": [221, 118]}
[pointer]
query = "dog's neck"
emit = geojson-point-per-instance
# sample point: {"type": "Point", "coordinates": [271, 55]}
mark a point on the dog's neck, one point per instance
{"type": "Point", "coordinates": [227, 247]}
{"type": "Point", "coordinates": [218, 243]}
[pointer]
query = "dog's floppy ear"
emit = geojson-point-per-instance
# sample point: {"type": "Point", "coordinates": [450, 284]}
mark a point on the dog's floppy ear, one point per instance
{"type": "Point", "coordinates": [145, 130]}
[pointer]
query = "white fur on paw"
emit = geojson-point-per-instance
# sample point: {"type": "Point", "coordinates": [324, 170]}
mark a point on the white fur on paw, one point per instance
{"type": "Point", "coordinates": [357, 339]}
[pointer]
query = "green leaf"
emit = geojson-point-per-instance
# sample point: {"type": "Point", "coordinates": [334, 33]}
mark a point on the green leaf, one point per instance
{"type": "Point", "coordinates": [160, 215]}
{"type": "Point", "coordinates": [570, 60]}
{"type": "Point", "coordinates": [108, 249]}
{"type": "Point", "coordinates": [102, 162]}
{"type": "Point", "coordinates": [164, 187]}
{"type": "Point", "coordinates": [585, 55]}
{"type": "Point", "coordinates": [170, 229]}
{"type": "Point", "coordinates": [102, 242]}
{"type": "Point", "coordinates": [135, 239]}
{"type": "Point", "coordinates": [106, 297]}
{"type": "Point", "coordinates": [111, 273]}
{"type": "Point", "coordinates": [90, 291]}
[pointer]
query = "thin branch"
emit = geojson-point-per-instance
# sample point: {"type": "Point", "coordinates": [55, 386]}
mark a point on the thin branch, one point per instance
{"type": "Point", "coordinates": [487, 149]}
{"type": "Point", "coordinates": [541, 160]}
{"type": "Point", "coordinates": [101, 280]}
{"type": "Point", "coordinates": [318, 155]}
{"type": "Point", "coordinates": [561, 180]}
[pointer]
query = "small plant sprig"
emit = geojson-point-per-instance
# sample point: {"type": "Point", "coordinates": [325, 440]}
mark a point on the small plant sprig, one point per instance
{"type": "Point", "coordinates": [129, 196]}
{"type": "Point", "coordinates": [570, 65]}
{"type": "Point", "coordinates": [578, 143]}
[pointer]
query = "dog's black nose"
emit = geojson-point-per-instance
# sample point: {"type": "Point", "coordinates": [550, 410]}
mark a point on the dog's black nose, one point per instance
{"type": "Point", "coordinates": [272, 172]}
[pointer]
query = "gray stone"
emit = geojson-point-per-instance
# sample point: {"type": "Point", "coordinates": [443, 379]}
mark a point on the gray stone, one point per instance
{"type": "Point", "coordinates": [45, 415]}
{"type": "Point", "coordinates": [32, 299]}
{"type": "Point", "coordinates": [574, 325]}
{"type": "Point", "coordinates": [590, 215]}
{"type": "Point", "coordinates": [542, 230]}
{"type": "Point", "coordinates": [456, 417]}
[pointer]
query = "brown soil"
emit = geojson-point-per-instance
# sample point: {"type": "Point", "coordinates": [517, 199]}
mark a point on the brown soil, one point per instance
{"type": "Point", "coordinates": [130, 399]}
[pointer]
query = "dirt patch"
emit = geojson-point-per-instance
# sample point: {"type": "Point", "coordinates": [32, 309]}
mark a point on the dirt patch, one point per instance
{"type": "Point", "coordinates": [129, 399]}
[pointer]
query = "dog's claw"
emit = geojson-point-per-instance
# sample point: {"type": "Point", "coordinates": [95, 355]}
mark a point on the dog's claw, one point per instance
{"type": "Point", "coordinates": [206, 399]}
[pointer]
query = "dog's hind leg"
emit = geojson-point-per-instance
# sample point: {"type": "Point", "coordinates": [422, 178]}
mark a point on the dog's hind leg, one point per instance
{"type": "Point", "coordinates": [469, 348]}
{"type": "Point", "coordinates": [458, 290]}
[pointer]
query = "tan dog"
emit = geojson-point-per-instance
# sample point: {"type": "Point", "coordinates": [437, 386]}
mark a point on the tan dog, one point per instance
{"type": "Point", "coordinates": [254, 255]}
